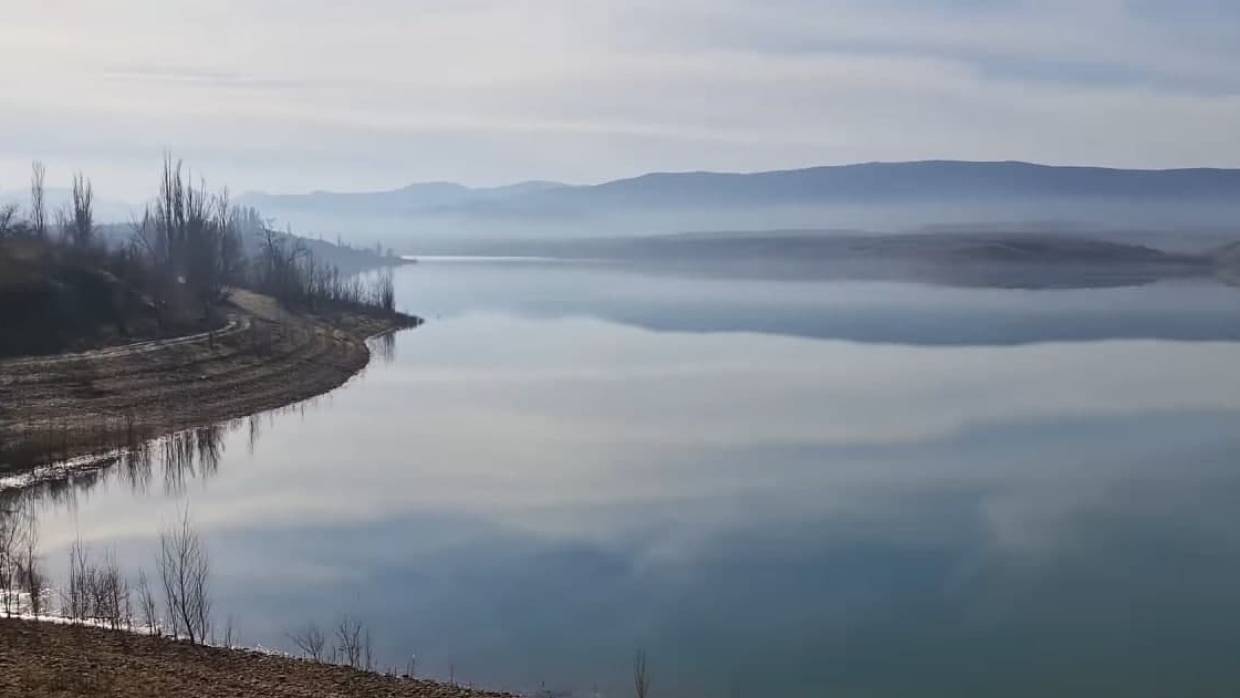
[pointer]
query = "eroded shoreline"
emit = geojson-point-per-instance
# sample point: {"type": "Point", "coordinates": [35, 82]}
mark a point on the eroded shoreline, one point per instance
{"type": "Point", "coordinates": [82, 408]}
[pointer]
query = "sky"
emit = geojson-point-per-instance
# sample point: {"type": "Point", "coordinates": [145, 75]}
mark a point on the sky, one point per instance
{"type": "Point", "coordinates": [299, 95]}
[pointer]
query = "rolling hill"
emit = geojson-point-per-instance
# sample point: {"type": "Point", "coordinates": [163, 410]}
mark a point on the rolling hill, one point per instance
{"type": "Point", "coordinates": [881, 197]}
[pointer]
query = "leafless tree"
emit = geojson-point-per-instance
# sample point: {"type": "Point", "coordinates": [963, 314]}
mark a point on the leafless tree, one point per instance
{"type": "Point", "coordinates": [385, 291]}
{"type": "Point", "coordinates": [10, 546]}
{"type": "Point", "coordinates": [212, 252]}
{"type": "Point", "coordinates": [184, 570]}
{"type": "Point", "coordinates": [228, 632]}
{"type": "Point", "coordinates": [310, 640]}
{"type": "Point", "coordinates": [352, 643]}
{"type": "Point", "coordinates": [64, 224]}
{"type": "Point", "coordinates": [96, 593]}
{"type": "Point", "coordinates": [7, 213]}
{"type": "Point", "coordinates": [191, 238]}
{"type": "Point", "coordinates": [38, 203]}
{"type": "Point", "coordinates": [228, 257]}
{"type": "Point", "coordinates": [146, 604]}
{"type": "Point", "coordinates": [76, 603]}
{"type": "Point", "coordinates": [20, 568]}
{"type": "Point", "coordinates": [278, 271]}
{"type": "Point", "coordinates": [31, 567]}
{"type": "Point", "coordinates": [109, 592]}
{"type": "Point", "coordinates": [641, 676]}
{"type": "Point", "coordinates": [81, 219]}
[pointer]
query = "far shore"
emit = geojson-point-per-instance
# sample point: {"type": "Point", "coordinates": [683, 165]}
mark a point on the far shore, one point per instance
{"type": "Point", "coordinates": [79, 408]}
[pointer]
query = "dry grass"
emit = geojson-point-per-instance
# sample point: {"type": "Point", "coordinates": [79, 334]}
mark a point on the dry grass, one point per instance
{"type": "Point", "coordinates": [42, 659]}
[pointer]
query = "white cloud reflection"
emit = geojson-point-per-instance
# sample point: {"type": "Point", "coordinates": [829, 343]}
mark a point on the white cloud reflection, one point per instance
{"type": "Point", "coordinates": [489, 418]}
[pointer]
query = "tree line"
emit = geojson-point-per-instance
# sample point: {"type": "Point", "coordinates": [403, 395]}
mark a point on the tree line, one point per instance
{"type": "Point", "coordinates": [189, 247]}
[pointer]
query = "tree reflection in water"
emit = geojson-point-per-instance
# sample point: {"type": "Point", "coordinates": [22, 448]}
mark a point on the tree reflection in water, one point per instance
{"type": "Point", "coordinates": [175, 460]}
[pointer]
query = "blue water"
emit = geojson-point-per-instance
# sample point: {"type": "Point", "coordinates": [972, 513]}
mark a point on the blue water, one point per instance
{"type": "Point", "coordinates": [773, 488]}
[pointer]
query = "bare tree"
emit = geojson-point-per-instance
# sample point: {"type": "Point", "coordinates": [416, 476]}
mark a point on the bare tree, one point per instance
{"type": "Point", "coordinates": [81, 218]}
{"type": "Point", "coordinates": [146, 604]}
{"type": "Point", "coordinates": [184, 570]}
{"type": "Point", "coordinates": [367, 655]}
{"type": "Point", "coordinates": [641, 676]}
{"type": "Point", "coordinates": [96, 593]}
{"type": "Point", "coordinates": [352, 643]}
{"type": "Point", "coordinates": [38, 204]}
{"type": "Point", "coordinates": [385, 291]}
{"type": "Point", "coordinates": [310, 640]}
{"type": "Point", "coordinates": [10, 545]}
{"type": "Point", "coordinates": [109, 594]}
{"type": "Point", "coordinates": [31, 567]}
{"type": "Point", "coordinates": [229, 257]}
{"type": "Point", "coordinates": [228, 632]}
{"type": "Point", "coordinates": [7, 213]}
{"type": "Point", "coordinates": [213, 254]}
{"type": "Point", "coordinates": [76, 602]}
{"type": "Point", "coordinates": [64, 224]}
{"type": "Point", "coordinates": [191, 238]}
{"type": "Point", "coordinates": [19, 560]}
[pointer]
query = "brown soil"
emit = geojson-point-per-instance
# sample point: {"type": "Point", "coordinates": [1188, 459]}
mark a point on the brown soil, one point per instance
{"type": "Point", "coordinates": [74, 405]}
{"type": "Point", "coordinates": [41, 659]}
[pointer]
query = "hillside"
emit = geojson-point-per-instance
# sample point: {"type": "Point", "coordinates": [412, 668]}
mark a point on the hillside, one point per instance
{"type": "Point", "coordinates": [886, 197]}
{"type": "Point", "coordinates": [52, 300]}
{"type": "Point", "coordinates": [886, 182]}
{"type": "Point", "coordinates": [264, 357]}
{"type": "Point", "coordinates": [45, 659]}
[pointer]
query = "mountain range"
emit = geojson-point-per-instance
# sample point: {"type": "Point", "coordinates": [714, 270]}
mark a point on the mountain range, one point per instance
{"type": "Point", "coordinates": [878, 197]}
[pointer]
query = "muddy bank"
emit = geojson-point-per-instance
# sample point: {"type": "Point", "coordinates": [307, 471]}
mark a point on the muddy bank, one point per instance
{"type": "Point", "coordinates": [42, 659]}
{"type": "Point", "coordinates": [79, 405]}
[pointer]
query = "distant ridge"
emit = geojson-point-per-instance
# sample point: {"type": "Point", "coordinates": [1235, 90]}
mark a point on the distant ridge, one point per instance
{"type": "Point", "coordinates": [834, 183]}
{"type": "Point", "coordinates": [928, 179]}
{"type": "Point", "coordinates": [419, 195]}
{"type": "Point", "coordinates": [877, 195]}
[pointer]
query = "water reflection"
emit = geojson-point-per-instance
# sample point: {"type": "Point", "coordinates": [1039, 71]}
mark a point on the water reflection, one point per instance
{"type": "Point", "coordinates": [180, 459]}
{"type": "Point", "coordinates": [905, 313]}
{"type": "Point", "coordinates": [522, 498]}
{"type": "Point", "coordinates": [385, 347]}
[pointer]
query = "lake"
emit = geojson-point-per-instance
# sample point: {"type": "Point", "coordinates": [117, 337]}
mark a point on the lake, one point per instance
{"type": "Point", "coordinates": [773, 488]}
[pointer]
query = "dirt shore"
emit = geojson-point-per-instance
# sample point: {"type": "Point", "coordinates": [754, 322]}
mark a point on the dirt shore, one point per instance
{"type": "Point", "coordinates": [78, 405]}
{"type": "Point", "coordinates": [42, 659]}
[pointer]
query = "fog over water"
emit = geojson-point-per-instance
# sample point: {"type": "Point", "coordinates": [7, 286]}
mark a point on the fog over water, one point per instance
{"type": "Point", "coordinates": [774, 488]}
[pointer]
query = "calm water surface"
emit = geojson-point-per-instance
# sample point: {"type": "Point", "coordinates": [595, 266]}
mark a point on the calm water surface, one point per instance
{"type": "Point", "coordinates": [792, 489]}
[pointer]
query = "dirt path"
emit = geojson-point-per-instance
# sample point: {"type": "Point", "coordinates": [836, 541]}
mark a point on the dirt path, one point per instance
{"type": "Point", "coordinates": [72, 405]}
{"type": "Point", "coordinates": [41, 659]}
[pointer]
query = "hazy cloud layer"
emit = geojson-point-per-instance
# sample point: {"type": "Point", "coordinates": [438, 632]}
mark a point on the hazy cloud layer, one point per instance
{"type": "Point", "coordinates": [287, 96]}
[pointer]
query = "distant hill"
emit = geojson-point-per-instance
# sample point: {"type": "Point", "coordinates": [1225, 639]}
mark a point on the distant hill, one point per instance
{"type": "Point", "coordinates": [419, 197]}
{"type": "Point", "coordinates": [106, 209]}
{"type": "Point", "coordinates": [897, 182]}
{"type": "Point", "coordinates": [887, 197]}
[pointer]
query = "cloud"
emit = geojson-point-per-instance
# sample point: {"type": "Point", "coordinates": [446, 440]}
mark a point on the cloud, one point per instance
{"type": "Point", "coordinates": [290, 96]}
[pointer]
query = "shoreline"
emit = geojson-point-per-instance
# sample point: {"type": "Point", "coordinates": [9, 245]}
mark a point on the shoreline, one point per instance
{"type": "Point", "coordinates": [66, 413]}
{"type": "Point", "coordinates": [47, 658]}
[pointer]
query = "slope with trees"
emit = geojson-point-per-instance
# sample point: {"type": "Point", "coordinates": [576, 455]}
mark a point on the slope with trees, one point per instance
{"type": "Point", "coordinates": [180, 327]}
